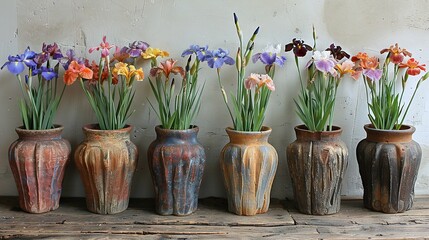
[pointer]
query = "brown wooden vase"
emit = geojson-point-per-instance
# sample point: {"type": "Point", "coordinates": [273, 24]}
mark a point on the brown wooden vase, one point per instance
{"type": "Point", "coordinates": [106, 161]}
{"type": "Point", "coordinates": [38, 159]}
{"type": "Point", "coordinates": [389, 161]}
{"type": "Point", "coordinates": [317, 162]}
{"type": "Point", "coordinates": [248, 164]}
{"type": "Point", "coordinates": [176, 163]}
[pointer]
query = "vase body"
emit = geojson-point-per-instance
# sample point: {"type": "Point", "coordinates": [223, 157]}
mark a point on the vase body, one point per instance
{"type": "Point", "coordinates": [106, 161]}
{"type": "Point", "coordinates": [389, 161]}
{"type": "Point", "coordinates": [317, 162]}
{"type": "Point", "coordinates": [248, 163]}
{"type": "Point", "coordinates": [38, 160]}
{"type": "Point", "coordinates": [176, 163]}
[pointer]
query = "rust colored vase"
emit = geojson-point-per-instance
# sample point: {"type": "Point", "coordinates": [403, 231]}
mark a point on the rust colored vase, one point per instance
{"type": "Point", "coordinates": [317, 162]}
{"type": "Point", "coordinates": [248, 164]}
{"type": "Point", "coordinates": [389, 161]}
{"type": "Point", "coordinates": [38, 160]}
{"type": "Point", "coordinates": [176, 163]}
{"type": "Point", "coordinates": [106, 161]}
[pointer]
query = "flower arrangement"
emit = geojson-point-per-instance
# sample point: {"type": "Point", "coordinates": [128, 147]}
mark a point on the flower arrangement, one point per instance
{"type": "Point", "coordinates": [108, 85]}
{"type": "Point", "coordinates": [385, 105]}
{"type": "Point", "coordinates": [41, 94]}
{"type": "Point", "coordinates": [316, 100]}
{"type": "Point", "coordinates": [252, 95]}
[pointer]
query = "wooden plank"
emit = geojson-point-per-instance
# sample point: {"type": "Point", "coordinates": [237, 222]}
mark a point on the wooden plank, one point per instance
{"type": "Point", "coordinates": [211, 212]}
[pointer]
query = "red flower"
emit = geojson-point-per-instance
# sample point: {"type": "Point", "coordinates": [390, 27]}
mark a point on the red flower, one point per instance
{"type": "Point", "coordinates": [413, 66]}
{"type": "Point", "coordinates": [396, 54]}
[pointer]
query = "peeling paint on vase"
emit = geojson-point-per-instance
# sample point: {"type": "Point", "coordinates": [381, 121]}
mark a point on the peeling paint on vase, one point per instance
{"type": "Point", "coordinates": [38, 160]}
{"type": "Point", "coordinates": [389, 161]}
{"type": "Point", "coordinates": [176, 162]}
{"type": "Point", "coordinates": [106, 161]}
{"type": "Point", "coordinates": [317, 162]}
{"type": "Point", "coordinates": [248, 164]}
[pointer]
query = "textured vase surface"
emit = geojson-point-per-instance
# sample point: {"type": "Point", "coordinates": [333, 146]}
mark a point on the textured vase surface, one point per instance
{"type": "Point", "coordinates": [106, 161]}
{"type": "Point", "coordinates": [389, 161]}
{"type": "Point", "coordinates": [38, 160]}
{"type": "Point", "coordinates": [176, 163]}
{"type": "Point", "coordinates": [248, 164]}
{"type": "Point", "coordinates": [317, 162]}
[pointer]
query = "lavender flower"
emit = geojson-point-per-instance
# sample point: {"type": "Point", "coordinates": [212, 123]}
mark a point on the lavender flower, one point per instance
{"type": "Point", "coordinates": [324, 62]}
{"type": "Point", "coordinates": [216, 58]}
{"type": "Point", "coordinates": [270, 56]}
{"type": "Point", "coordinates": [16, 64]}
{"type": "Point", "coordinates": [136, 48]}
{"type": "Point", "coordinates": [200, 51]}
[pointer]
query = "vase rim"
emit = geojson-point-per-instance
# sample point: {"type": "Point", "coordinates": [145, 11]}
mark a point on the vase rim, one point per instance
{"type": "Point", "coordinates": [264, 129]}
{"type": "Point", "coordinates": [191, 129]}
{"type": "Point", "coordinates": [57, 127]}
{"type": "Point", "coordinates": [94, 127]}
{"type": "Point", "coordinates": [304, 128]}
{"type": "Point", "coordinates": [404, 128]}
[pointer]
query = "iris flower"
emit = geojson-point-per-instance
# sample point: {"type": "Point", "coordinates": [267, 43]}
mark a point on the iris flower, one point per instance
{"type": "Point", "coordinates": [136, 48]}
{"type": "Point", "coordinates": [16, 64]}
{"type": "Point", "coordinates": [269, 56]}
{"type": "Point", "coordinates": [47, 73]}
{"type": "Point", "coordinates": [122, 54]}
{"type": "Point", "coordinates": [200, 51]}
{"type": "Point", "coordinates": [70, 56]}
{"type": "Point", "coordinates": [360, 56]}
{"type": "Point", "coordinates": [337, 52]}
{"type": "Point", "coordinates": [52, 50]}
{"type": "Point", "coordinates": [129, 71]}
{"type": "Point", "coordinates": [167, 67]}
{"type": "Point", "coordinates": [104, 47]}
{"type": "Point", "coordinates": [76, 70]}
{"type": "Point", "coordinates": [299, 47]}
{"type": "Point", "coordinates": [370, 70]}
{"type": "Point", "coordinates": [154, 53]}
{"type": "Point", "coordinates": [414, 68]}
{"type": "Point", "coordinates": [347, 67]}
{"type": "Point", "coordinates": [258, 81]}
{"type": "Point", "coordinates": [40, 59]}
{"type": "Point", "coordinates": [396, 54]}
{"type": "Point", "coordinates": [324, 62]}
{"type": "Point", "coordinates": [217, 58]}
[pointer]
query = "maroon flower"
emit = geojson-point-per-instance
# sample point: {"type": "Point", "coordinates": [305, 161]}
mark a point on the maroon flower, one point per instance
{"type": "Point", "coordinates": [299, 47]}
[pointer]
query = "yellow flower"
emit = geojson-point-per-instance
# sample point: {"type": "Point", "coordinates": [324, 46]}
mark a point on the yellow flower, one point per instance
{"type": "Point", "coordinates": [154, 53]}
{"type": "Point", "coordinates": [129, 72]}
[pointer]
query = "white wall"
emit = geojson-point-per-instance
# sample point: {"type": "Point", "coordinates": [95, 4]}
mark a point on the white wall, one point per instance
{"type": "Point", "coordinates": [173, 25]}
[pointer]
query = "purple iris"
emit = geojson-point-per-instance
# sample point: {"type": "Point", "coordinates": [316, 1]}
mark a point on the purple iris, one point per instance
{"type": "Point", "coordinates": [217, 58]}
{"type": "Point", "coordinates": [15, 64]}
{"type": "Point", "coordinates": [269, 58]}
{"type": "Point", "coordinates": [47, 73]}
{"type": "Point", "coordinates": [136, 48]}
{"type": "Point", "coordinates": [70, 56]}
{"type": "Point", "coordinates": [373, 74]}
{"type": "Point", "coordinates": [52, 50]}
{"type": "Point", "coordinates": [41, 58]}
{"type": "Point", "coordinates": [200, 51]}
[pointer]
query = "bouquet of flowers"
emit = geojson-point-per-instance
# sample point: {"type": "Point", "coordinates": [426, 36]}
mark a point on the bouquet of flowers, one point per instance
{"type": "Point", "coordinates": [108, 85]}
{"type": "Point", "coordinates": [386, 109]}
{"type": "Point", "coordinates": [252, 95]}
{"type": "Point", "coordinates": [41, 94]}
{"type": "Point", "coordinates": [177, 115]}
{"type": "Point", "coordinates": [316, 99]}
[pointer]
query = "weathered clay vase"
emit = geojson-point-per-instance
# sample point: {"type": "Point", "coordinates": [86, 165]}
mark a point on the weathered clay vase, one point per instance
{"type": "Point", "coordinates": [106, 161]}
{"type": "Point", "coordinates": [38, 159]}
{"type": "Point", "coordinates": [317, 162]}
{"type": "Point", "coordinates": [248, 164]}
{"type": "Point", "coordinates": [176, 163]}
{"type": "Point", "coordinates": [389, 161]}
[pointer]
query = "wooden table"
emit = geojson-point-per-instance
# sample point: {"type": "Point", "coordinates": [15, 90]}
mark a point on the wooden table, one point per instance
{"type": "Point", "coordinates": [211, 221]}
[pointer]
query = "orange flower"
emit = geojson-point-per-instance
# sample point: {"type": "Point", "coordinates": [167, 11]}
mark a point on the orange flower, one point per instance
{"type": "Point", "coordinates": [396, 54]}
{"type": "Point", "coordinates": [413, 66]}
{"type": "Point", "coordinates": [75, 71]}
{"type": "Point", "coordinates": [360, 56]}
{"type": "Point", "coordinates": [369, 63]}
{"type": "Point", "coordinates": [167, 67]}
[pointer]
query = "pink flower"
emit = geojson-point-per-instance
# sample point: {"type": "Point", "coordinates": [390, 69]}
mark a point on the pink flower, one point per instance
{"type": "Point", "coordinates": [104, 47]}
{"type": "Point", "coordinates": [258, 81]}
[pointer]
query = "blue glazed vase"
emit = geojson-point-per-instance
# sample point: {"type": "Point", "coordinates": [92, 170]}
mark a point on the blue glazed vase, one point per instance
{"type": "Point", "coordinates": [176, 163]}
